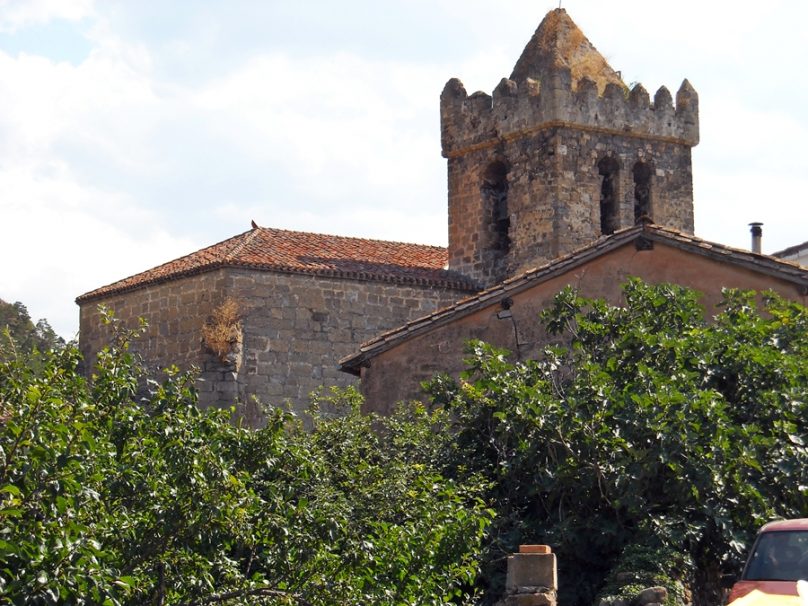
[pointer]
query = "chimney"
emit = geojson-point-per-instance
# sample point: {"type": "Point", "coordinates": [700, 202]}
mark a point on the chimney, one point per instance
{"type": "Point", "coordinates": [757, 236]}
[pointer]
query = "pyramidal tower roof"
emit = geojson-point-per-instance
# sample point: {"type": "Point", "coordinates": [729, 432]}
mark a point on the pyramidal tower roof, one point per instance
{"type": "Point", "coordinates": [559, 43]}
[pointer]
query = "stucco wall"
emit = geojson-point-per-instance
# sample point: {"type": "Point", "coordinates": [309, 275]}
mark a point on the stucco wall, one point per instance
{"type": "Point", "coordinates": [396, 374]}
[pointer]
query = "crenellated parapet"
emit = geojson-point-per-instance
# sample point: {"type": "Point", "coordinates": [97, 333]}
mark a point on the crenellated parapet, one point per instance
{"type": "Point", "coordinates": [518, 109]}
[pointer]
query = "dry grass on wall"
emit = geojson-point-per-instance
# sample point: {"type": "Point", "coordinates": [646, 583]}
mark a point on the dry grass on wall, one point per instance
{"type": "Point", "coordinates": [223, 329]}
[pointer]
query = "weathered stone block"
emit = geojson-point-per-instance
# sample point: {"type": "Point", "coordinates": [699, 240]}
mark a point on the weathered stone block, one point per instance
{"type": "Point", "coordinates": [531, 569]}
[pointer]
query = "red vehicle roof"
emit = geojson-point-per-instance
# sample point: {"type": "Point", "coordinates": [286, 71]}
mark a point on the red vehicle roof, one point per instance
{"type": "Point", "coordinates": [797, 524]}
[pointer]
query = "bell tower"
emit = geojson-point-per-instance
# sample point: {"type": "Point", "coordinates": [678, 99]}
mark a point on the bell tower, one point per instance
{"type": "Point", "coordinates": [561, 154]}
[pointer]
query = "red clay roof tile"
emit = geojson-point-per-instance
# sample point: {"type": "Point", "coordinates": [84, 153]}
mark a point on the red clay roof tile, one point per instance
{"type": "Point", "coordinates": [302, 252]}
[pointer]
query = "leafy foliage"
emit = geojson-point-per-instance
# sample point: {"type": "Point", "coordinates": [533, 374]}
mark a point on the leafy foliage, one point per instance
{"type": "Point", "coordinates": [110, 498]}
{"type": "Point", "coordinates": [644, 425]}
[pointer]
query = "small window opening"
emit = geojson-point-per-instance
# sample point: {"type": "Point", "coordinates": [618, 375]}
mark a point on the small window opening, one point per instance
{"type": "Point", "coordinates": [642, 192]}
{"type": "Point", "coordinates": [608, 169]}
{"type": "Point", "coordinates": [495, 195]}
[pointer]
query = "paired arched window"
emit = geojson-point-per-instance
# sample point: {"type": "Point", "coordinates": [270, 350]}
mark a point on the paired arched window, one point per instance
{"type": "Point", "coordinates": [494, 190]}
{"type": "Point", "coordinates": [609, 169]}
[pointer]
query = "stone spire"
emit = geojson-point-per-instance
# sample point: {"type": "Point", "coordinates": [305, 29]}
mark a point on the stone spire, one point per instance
{"type": "Point", "coordinates": [559, 43]}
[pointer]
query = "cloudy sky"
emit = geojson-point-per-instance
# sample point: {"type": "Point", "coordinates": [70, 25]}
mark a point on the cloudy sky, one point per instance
{"type": "Point", "coordinates": [134, 132]}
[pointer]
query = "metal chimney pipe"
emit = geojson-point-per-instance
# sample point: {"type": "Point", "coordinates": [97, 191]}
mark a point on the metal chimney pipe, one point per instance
{"type": "Point", "coordinates": [757, 236]}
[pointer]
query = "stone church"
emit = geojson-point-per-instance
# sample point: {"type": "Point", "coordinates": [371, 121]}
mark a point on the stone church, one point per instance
{"type": "Point", "coordinates": [562, 176]}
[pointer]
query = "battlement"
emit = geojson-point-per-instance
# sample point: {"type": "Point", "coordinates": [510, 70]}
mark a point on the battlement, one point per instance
{"type": "Point", "coordinates": [518, 109]}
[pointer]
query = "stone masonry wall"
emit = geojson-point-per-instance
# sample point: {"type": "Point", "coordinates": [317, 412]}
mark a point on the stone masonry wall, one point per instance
{"type": "Point", "coordinates": [175, 312]}
{"type": "Point", "coordinates": [294, 329]}
{"type": "Point", "coordinates": [553, 197]}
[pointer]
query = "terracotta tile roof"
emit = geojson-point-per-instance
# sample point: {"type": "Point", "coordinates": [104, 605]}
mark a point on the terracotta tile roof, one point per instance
{"type": "Point", "coordinates": [285, 251]}
{"type": "Point", "coordinates": [765, 264]}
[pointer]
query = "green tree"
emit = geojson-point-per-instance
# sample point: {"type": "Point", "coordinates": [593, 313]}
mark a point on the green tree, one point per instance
{"type": "Point", "coordinates": [15, 320]}
{"type": "Point", "coordinates": [110, 497]}
{"type": "Point", "coordinates": [648, 439]}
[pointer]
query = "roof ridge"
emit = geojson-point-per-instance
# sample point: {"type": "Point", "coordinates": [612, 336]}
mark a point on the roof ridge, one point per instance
{"type": "Point", "coordinates": [758, 258]}
{"type": "Point", "coordinates": [249, 236]}
{"type": "Point", "coordinates": [790, 250]}
{"type": "Point", "coordinates": [352, 238]}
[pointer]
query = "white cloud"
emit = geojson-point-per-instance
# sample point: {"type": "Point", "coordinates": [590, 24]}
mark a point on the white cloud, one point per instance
{"type": "Point", "coordinates": [64, 238]}
{"type": "Point", "coordinates": [749, 167]}
{"type": "Point", "coordinates": [16, 14]}
{"type": "Point", "coordinates": [67, 233]}
{"type": "Point", "coordinates": [342, 128]}
{"type": "Point", "coordinates": [102, 104]}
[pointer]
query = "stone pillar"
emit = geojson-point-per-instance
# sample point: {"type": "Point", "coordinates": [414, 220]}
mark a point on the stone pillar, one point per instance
{"type": "Point", "coordinates": [532, 578]}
